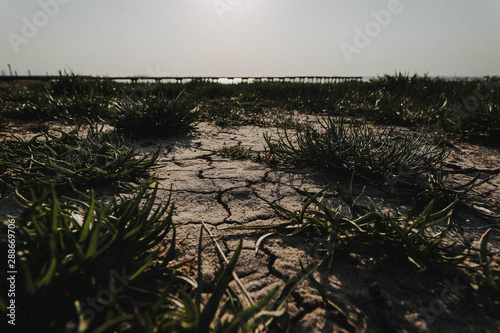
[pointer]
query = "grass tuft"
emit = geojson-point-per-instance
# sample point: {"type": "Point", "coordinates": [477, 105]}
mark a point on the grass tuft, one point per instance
{"type": "Point", "coordinates": [156, 115]}
{"type": "Point", "coordinates": [415, 239]}
{"type": "Point", "coordinates": [82, 258]}
{"type": "Point", "coordinates": [98, 157]}
{"type": "Point", "coordinates": [488, 283]}
{"type": "Point", "coordinates": [236, 152]}
{"type": "Point", "coordinates": [344, 145]}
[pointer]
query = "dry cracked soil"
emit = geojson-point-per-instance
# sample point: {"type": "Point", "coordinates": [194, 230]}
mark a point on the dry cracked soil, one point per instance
{"type": "Point", "coordinates": [223, 192]}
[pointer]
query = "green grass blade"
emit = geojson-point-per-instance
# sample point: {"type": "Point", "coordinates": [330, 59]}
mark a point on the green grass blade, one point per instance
{"type": "Point", "coordinates": [208, 314]}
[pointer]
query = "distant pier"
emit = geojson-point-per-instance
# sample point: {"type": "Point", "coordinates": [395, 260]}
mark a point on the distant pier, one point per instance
{"type": "Point", "coordinates": [184, 79]}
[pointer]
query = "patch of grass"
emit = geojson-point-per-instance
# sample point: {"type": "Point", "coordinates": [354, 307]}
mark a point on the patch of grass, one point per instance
{"type": "Point", "coordinates": [69, 96]}
{"type": "Point", "coordinates": [437, 186]}
{"type": "Point", "coordinates": [343, 145]}
{"type": "Point", "coordinates": [416, 239]}
{"type": "Point", "coordinates": [46, 106]}
{"type": "Point", "coordinates": [20, 93]}
{"type": "Point", "coordinates": [488, 283]}
{"type": "Point", "coordinates": [84, 259]}
{"type": "Point", "coordinates": [223, 113]}
{"type": "Point", "coordinates": [467, 108]}
{"type": "Point", "coordinates": [70, 85]}
{"type": "Point", "coordinates": [32, 106]}
{"type": "Point", "coordinates": [3, 122]}
{"type": "Point", "coordinates": [98, 157]}
{"type": "Point", "coordinates": [236, 152]}
{"type": "Point", "coordinates": [476, 116]}
{"type": "Point", "coordinates": [78, 108]}
{"type": "Point", "coordinates": [202, 90]}
{"type": "Point", "coordinates": [237, 112]}
{"type": "Point", "coordinates": [391, 109]}
{"type": "Point", "coordinates": [140, 91]}
{"type": "Point", "coordinates": [156, 115]}
{"type": "Point", "coordinates": [410, 167]}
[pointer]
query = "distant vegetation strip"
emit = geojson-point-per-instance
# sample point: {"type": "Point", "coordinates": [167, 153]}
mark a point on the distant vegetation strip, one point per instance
{"type": "Point", "coordinates": [467, 109]}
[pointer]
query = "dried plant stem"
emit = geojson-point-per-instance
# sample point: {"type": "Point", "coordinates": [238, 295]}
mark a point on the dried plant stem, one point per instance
{"type": "Point", "coordinates": [248, 298]}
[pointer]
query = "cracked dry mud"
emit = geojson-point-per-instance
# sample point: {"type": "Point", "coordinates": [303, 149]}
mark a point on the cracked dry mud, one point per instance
{"type": "Point", "coordinates": [391, 296]}
{"type": "Point", "coordinates": [224, 193]}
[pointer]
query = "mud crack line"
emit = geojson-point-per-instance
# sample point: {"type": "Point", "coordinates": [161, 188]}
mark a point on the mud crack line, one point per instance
{"type": "Point", "coordinates": [223, 204]}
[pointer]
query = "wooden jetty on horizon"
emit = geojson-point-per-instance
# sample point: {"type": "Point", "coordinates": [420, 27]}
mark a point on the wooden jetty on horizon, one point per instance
{"type": "Point", "coordinates": [182, 79]}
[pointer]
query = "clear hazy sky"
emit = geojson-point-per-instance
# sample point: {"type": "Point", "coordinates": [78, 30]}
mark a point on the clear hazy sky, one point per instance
{"type": "Point", "coordinates": [251, 37]}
